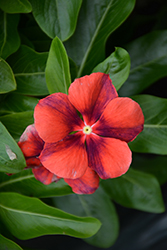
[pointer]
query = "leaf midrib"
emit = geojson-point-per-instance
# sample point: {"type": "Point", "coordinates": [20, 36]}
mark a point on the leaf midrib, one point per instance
{"type": "Point", "coordinates": [16, 180]}
{"type": "Point", "coordinates": [92, 40]}
{"type": "Point", "coordinates": [39, 215]}
{"type": "Point", "coordinates": [29, 74]}
{"type": "Point", "coordinates": [155, 126]}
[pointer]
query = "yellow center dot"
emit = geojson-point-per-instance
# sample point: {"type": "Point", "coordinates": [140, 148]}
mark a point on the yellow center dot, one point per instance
{"type": "Point", "coordinates": [87, 130]}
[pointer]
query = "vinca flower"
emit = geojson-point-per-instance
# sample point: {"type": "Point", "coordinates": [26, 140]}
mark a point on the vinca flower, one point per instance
{"type": "Point", "coordinates": [88, 129]}
{"type": "Point", "coordinates": [31, 145]}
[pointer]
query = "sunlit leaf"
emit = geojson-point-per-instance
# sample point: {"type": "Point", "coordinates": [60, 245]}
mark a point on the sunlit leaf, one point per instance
{"type": "Point", "coordinates": [97, 20]}
{"type": "Point", "coordinates": [97, 205]}
{"type": "Point", "coordinates": [7, 80]}
{"type": "Point", "coordinates": [9, 37]}
{"type": "Point", "coordinates": [153, 139]}
{"type": "Point", "coordinates": [33, 218]}
{"type": "Point", "coordinates": [56, 18]}
{"type": "Point", "coordinates": [117, 65]}
{"type": "Point", "coordinates": [11, 157]}
{"type": "Point", "coordinates": [29, 70]}
{"type": "Point", "coordinates": [58, 70]}
{"type": "Point", "coordinates": [25, 183]}
{"type": "Point", "coordinates": [15, 6]}
{"type": "Point", "coordinates": [136, 190]}
{"type": "Point", "coordinates": [148, 62]}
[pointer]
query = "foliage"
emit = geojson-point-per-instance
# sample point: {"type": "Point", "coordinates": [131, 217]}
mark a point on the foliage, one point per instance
{"type": "Point", "coordinates": [44, 46]}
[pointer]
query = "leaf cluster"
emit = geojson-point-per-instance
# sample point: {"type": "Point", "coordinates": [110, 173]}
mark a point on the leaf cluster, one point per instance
{"type": "Point", "coordinates": [44, 46]}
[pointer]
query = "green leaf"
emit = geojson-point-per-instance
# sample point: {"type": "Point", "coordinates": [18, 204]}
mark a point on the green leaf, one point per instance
{"type": "Point", "coordinates": [29, 70]}
{"type": "Point", "coordinates": [14, 102]}
{"type": "Point", "coordinates": [25, 183]}
{"type": "Point", "coordinates": [7, 80]}
{"type": "Point", "coordinates": [97, 20]}
{"type": "Point", "coordinates": [7, 244]}
{"type": "Point", "coordinates": [136, 190]}
{"type": "Point", "coordinates": [148, 62]}
{"type": "Point", "coordinates": [152, 164]}
{"type": "Point", "coordinates": [153, 139]}
{"type": "Point", "coordinates": [15, 6]}
{"type": "Point", "coordinates": [32, 218]}
{"type": "Point", "coordinates": [16, 123]}
{"type": "Point", "coordinates": [97, 205]}
{"type": "Point", "coordinates": [57, 69]}
{"type": "Point", "coordinates": [11, 157]}
{"type": "Point", "coordinates": [117, 65]}
{"type": "Point", "coordinates": [9, 37]}
{"type": "Point", "coordinates": [56, 18]}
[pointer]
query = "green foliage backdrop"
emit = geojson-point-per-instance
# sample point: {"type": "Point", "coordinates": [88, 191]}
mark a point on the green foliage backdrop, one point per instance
{"type": "Point", "coordinates": [44, 46]}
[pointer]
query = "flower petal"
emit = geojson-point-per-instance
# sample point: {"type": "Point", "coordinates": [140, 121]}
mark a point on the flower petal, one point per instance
{"type": "Point", "coordinates": [33, 162]}
{"type": "Point", "coordinates": [43, 175]}
{"type": "Point", "coordinates": [66, 158]}
{"type": "Point", "coordinates": [109, 157]}
{"type": "Point", "coordinates": [122, 119]}
{"type": "Point", "coordinates": [55, 117]}
{"type": "Point", "coordinates": [87, 184]}
{"type": "Point", "coordinates": [90, 95]}
{"type": "Point", "coordinates": [30, 142]}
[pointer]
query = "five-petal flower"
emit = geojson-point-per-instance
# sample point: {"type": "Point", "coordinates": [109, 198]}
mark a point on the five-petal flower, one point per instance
{"type": "Point", "coordinates": [31, 145]}
{"type": "Point", "coordinates": [99, 140]}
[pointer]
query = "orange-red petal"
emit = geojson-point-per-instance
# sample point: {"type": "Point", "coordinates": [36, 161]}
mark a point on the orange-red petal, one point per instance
{"type": "Point", "coordinates": [109, 157]}
{"type": "Point", "coordinates": [87, 184]}
{"type": "Point", "coordinates": [122, 119]}
{"type": "Point", "coordinates": [33, 162]}
{"type": "Point", "coordinates": [30, 142]}
{"type": "Point", "coordinates": [55, 117]}
{"type": "Point", "coordinates": [90, 95]}
{"type": "Point", "coordinates": [43, 175]}
{"type": "Point", "coordinates": [66, 158]}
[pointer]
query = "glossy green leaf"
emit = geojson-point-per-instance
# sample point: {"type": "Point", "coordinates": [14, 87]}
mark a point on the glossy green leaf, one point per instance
{"type": "Point", "coordinates": [56, 18]}
{"type": "Point", "coordinates": [136, 190]}
{"type": "Point", "coordinates": [9, 37]}
{"type": "Point", "coordinates": [97, 20]}
{"type": "Point", "coordinates": [153, 139]}
{"type": "Point", "coordinates": [97, 205]}
{"type": "Point", "coordinates": [15, 6]}
{"type": "Point", "coordinates": [25, 183]}
{"type": "Point", "coordinates": [7, 80]}
{"type": "Point", "coordinates": [29, 70]}
{"type": "Point", "coordinates": [117, 65]}
{"type": "Point", "coordinates": [11, 157]}
{"type": "Point", "coordinates": [14, 102]}
{"type": "Point", "coordinates": [58, 70]}
{"type": "Point", "coordinates": [16, 123]}
{"type": "Point", "coordinates": [7, 244]}
{"type": "Point", "coordinates": [33, 218]}
{"type": "Point", "coordinates": [148, 62]}
{"type": "Point", "coordinates": [152, 164]}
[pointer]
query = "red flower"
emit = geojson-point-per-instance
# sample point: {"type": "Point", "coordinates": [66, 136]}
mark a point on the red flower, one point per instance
{"type": "Point", "coordinates": [31, 145]}
{"type": "Point", "coordinates": [99, 141]}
